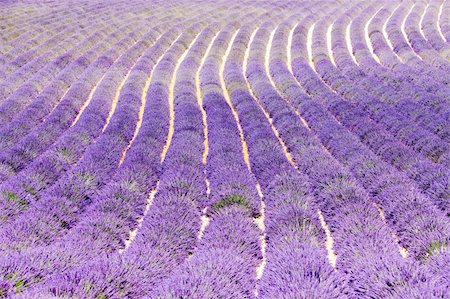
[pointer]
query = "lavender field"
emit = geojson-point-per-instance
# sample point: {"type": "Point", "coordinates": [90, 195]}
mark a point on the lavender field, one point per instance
{"type": "Point", "coordinates": [224, 149]}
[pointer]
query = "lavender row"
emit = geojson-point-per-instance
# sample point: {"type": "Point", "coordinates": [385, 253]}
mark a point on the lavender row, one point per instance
{"type": "Point", "coordinates": [405, 130]}
{"type": "Point", "coordinates": [73, 190]}
{"type": "Point", "coordinates": [25, 42]}
{"type": "Point", "coordinates": [403, 47]}
{"type": "Point", "coordinates": [16, 15]}
{"type": "Point", "coordinates": [47, 101]}
{"type": "Point", "coordinates": [26, 65]}
{"type": "Point", "coordinates": [23, 54]}
{"type": "Point", "coordinates": [417, 215]}
{"type": "Point", "coordinates": [423, 99]}
{"type": "Point", "coordinates": [111, 237]}
{"type": "Point", "coordinates": [24, 74]}
{"type": "Point", "coordinates": [223, 265]}
{"type": "Point", "coordinates": [48, 98]}
{"type": "Point", "coordinates": [413, 29]}
{"type": "Point", "coordinates": [429, 177]}
{"type": "Point", "coordinates": [231, 181]}
{"type": "Point", "coordinates": [445, 21]}
{"type": "Point", "coordinates": [19, 77]}
{"type": "Point", "coordinates": [431, 29]}
{"type": "Point", "coordinates": [168, 232]}
{"type": "Point", "coordinates": [357, 157]}
{"type": "Point", "coordinates": [137, 175]}
{"type": "Point", "coordinates": [28, 91]}
{"type": "Point", "coordinates": [102, 13]}
{"type": "Point", "coordinates": [230, 242]}
{"type": "Point", "coordinates": [377, 80]}
{"type": "Point", "coordinates": [114, 210]}
{"type": "Point", "coordinates": [413, 70]}
{"type": "Point", "coordinates": [150, 135]}
{"type": "Point", "coordinates": [66, 113]}
{"type": "Point", "coordinates": [23, 189]}
{"type": "Point", "coordinates": [41, 16]}
{"type": "Point", "coordinates": [65, 81]}
{"type": "Point", "coordinates": [354, 222]}
{"type": "Point", "coordinates": [175, 197]}
{"type": "Point", "coordinates": [295, 240]}
{"type": "Point", "coordinates": [391, 119]}
{"type": "Point", "coordinates": [338, 141]}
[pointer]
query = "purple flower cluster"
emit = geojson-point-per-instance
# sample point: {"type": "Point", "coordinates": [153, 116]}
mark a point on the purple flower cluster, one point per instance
{"type": "Point", "coordinates": [115, 210]}
{"type": "Point", "coordinates": [294, 236]}
{"type": "Point", "coordinates": [47, 168]}
{"type": "Point", "coordinates": [357, 235]}
{"type": "Point", "coordinates": [60, 88]}
{"type": "Point", "coordinates": [433, 179]}
{"type": "Point", "coordinates": [225, 259]}
{"type": "Point", "coordinates": [231, 181]}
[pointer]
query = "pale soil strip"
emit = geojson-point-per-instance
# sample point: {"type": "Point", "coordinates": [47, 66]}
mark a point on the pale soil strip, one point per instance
{"type": "Point", "coordinates": [208, 186]}
{"type": "Point", "coordinates": [134, 231]}
{"type": "Point", "coordinates": [402, 28]}
{"type": "Point", "coordinates": [200, 99]}
{"type": "Point", "coordinates": [386, 36]}
{"type": "Point", "coordinates": [331, 255]}
{"type": "Point", "coordinates": [260, 220]}
{"type": "Point", "coordinates": [228, 99]}
{"type": "Point", "coordinates": [205, 222]}
{"type": "Point", "coordinates": [329, 47]}
{"type": "Point", "coordinates": [60, 99]}
{"type": "Point", "coordinates": [348, 42]}
{"type": "Point", "coordinates": [262, 238]}
{"type": "Point", "coordinates": [172, 101]}
{"type": "Point", "coordinates": [402, 250]}
{"type": "Point", "coordinates": [204, 218]}
{"type": "Point", "coordinates": [368, 42]}
{"type": "Point", "coordinates": [329, 240]}
{"type": "Point", "coordinates": [421, 21]}
{"type": "Point", "coordinates": [88, 101]}
{"type": "Point", "coordinates": [116, 100]}
{"type": "Point", "coordinates": [142, 108]}
{"type": "Point", "coordinates": [441, 7]}
{"type": "Point", "coordinates": [309, 46]}
{"type": "Point", "coordinates": [289, 48]}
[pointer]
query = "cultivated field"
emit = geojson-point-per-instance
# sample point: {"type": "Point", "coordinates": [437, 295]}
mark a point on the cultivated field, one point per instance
{"type": "Point", "coordinates": [224, 149]}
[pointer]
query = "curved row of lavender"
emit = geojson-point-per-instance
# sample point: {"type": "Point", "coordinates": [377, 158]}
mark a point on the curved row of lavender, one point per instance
{"type": "Point", "coordinates": [224, 149]}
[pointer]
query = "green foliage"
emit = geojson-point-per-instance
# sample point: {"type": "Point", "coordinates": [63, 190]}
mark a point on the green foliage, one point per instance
{"type": "Point", "coordinates": [434, 247]}
{"type": "Point", "coordinates": [14, 197]}
{"type": "Point", "coordinates": [18, 283]}
{"type": "Point", "coordinates": [231, 200]}
{"type": "Point", "coordinates": [88, 179]}
{"type": "Point", "coordinates": [65, 152]}
{"type": "Point", "coordinates": [31, 190]}
{"type": "Point", "coordinates": [84, 138]}
{"type": "Point", "coordinates": [87, 286]}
